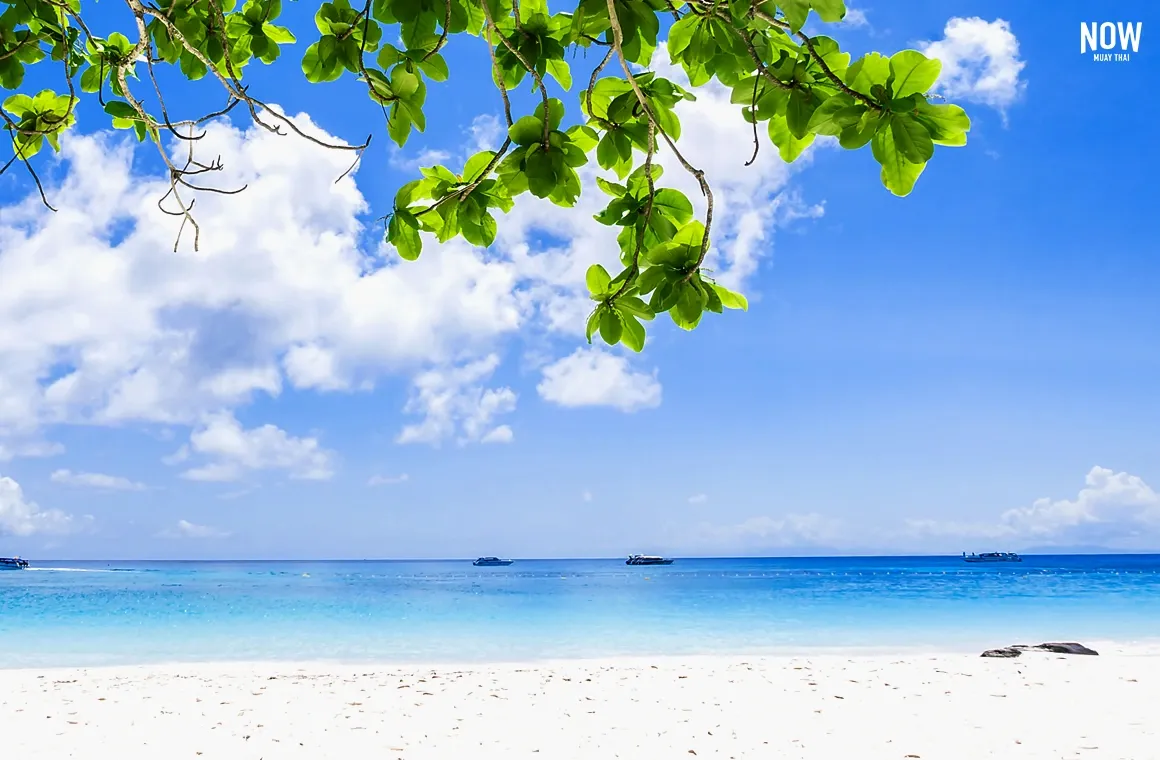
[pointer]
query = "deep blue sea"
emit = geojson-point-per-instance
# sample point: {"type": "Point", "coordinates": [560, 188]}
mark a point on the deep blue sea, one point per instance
{"type": "Point", "coordinates": [92, 613]}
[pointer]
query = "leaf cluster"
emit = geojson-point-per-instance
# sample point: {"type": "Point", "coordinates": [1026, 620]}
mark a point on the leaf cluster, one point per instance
{"type": "Point", "coordinates": [794, 86]}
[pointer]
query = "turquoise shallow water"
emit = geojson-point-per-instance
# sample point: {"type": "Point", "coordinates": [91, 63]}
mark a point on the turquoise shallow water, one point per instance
{"type": "Point", "coordinates": [91, 613]}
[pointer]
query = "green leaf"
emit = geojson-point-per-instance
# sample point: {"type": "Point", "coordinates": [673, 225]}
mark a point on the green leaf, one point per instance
{"type": "Point", "coordinates": [913, 73]}
{"type": "Point", "coordinates": [597, 279]}
{"type": "Point", "coordinates": [560, 72]}
{"type": "Point", "coordinates": [789, 147]}
{"type": "Point", "coordinates": [898, 173]}
{"type": "Point", "coordinates": [476, 164]}
{"type": "Point", "coordinates": [611, 188]}
{"type": "Point", "coordinates": [403, 83]}
{"type": "Point", "coordinates": [593, 323]}
{"type": "Point", "coordinates": [796, 12]}
{"type": "Point", "coordinates": [648, 280]}
{"type": "Point", "coordinates": [690, 306]}
{"type": "Point", "coordinates": [729, 299]}
{"type": "Point", "coordinates": [435, 67]}
{"type": "Point", "coordinates": [278, 34]}
{"type": "Point", "coordinates": [673, 204]}
{"type": "Point", "coordinates": [911, 138]}
{"type": "Point", "coordinates": [403, 233]}
{"type": "Point", "coordinates": [635, 306]}
{"type": "Point", "coordinates": [11, 73]}
{"type": "Point", "coordinates": [869, 70]}
{"type": "Point", "coordinates": [611, 327]}
{"type": "Point", "coordinates": [947, 124]}
{"type": "Point", "coordinates": [835, 114]}
{"type": "Point", "coordinates": [633, 334]}
{"type": "Point", "coordinates": [526, 131]}
{"type": "Point", "coordinates": [555, 113]}
{"type": "Point", "coordinates": [798, 114]}
{"type": "Point", "coordinates": [18, 105]}
{"type": "Point", "coordinates": [681, 34]}
{"type": "Point", "coordinates": [830, 11]}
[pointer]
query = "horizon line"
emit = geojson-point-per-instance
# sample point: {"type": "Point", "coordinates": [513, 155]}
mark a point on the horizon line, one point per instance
{"type": "Point", "coordinates": [602, 559]}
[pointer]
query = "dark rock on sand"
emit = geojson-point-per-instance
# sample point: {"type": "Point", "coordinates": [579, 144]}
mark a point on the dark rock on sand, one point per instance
{"type": "Point", "coordinates": [1065, 648]}
{"type": "Point", "coordinates": [1054, 647]}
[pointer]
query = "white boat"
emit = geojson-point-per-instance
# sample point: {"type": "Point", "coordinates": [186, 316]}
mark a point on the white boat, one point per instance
{"type": "Point", "coordinates": [992, 557]}
{"type": "Point", "coordinates": [492, 562]}
{"type": "Point", "coordinates": [13, 563]}
{"type": "Point", "coordinates": [647, 559]}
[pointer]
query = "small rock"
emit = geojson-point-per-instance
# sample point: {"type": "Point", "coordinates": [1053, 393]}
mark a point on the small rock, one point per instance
{"type": "Point", "coordinates": [1054, 647]}
{"type": "Point", "coordinates": [1066, 648]}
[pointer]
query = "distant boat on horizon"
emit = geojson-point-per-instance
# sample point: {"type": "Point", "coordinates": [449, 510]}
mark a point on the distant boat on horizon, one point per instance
{"type": "Point", "coordinates": [647, 559]}
{"type": "Point", "coordinates": [992, 557]}
{"type": "Point", "coordinates": [13, 563]}
{"type": "Point", "coordinates": [492, 562]}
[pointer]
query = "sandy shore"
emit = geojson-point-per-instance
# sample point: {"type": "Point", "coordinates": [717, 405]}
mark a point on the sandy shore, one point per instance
{"type": "Point", "coordinates": [935, 707]}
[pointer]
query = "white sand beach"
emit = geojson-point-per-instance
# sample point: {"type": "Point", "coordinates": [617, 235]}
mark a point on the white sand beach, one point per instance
{"type": "Point", "coordinates": [934, 707]}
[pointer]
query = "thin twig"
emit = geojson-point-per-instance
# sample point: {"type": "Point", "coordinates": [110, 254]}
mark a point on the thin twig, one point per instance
{"type": "Point", "coordinates": [446, 28]}
{"type": "Point", "coordinates": [699, 175]}
{"type": "Point", "coordinates": [524, 62]}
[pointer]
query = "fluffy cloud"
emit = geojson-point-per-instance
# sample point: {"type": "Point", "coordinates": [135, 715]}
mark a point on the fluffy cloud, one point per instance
{"type": "Point", "coordinates": [21, 517]}
{"type": "Point", "coordinates": [186, 529]}
{"type": "Point", "coordinates": [1115, 508]}
{"type": "Point", "coordinates": [595, 377]}
{"type": "Point", "coordinates": [980, 62]}
{"type": "Point", "coordinates": [234, 450]}
{"type": "Point", "coordinates": [13, 449]}
{"type": "Point", "coordinates": [101, 322]}
{"type": "Point", "coordinates": [387, 480]}
{"type": "Point", "coordinates": [855, 18]}
{"type": "Point", "coordinates": [96, 480]}
{"type": "Point", "coordinates": [765, 532]}
{"type": "Point", "coordinates": [454, 404]}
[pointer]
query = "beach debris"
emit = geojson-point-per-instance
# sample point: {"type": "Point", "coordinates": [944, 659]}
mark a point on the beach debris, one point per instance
{"type": "Point", "coordinates": [1015, 650]}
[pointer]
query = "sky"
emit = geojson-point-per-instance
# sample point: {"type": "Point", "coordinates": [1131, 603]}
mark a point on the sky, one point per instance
{"type": "Point", "coordinates": [969, 368]}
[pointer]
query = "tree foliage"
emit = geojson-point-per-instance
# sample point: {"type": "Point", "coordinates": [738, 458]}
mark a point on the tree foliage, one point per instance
{"type": "Point", "coordinates": [793, 85]}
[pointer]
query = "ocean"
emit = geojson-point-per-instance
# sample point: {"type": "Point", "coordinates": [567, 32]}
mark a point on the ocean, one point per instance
{"type": "Point", "coordinates": [100, 613]}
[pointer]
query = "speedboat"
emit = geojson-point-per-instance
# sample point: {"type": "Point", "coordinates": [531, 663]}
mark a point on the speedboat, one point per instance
{"type": "Point", "coordinates": [13, 563]}
{"type": "Point", "coordinates": [992, 557]}
{"type": "Point", "coordinates": [492, 562]}
{"type": "Point", "coordinates": [647, 559]}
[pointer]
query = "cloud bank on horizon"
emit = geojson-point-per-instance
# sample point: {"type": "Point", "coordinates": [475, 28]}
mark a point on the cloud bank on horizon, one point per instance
{"type": "Point", "coordinates": [102, 325]}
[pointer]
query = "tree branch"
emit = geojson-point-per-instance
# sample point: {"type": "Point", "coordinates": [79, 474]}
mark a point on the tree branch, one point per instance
{"type": "Point", "coordinates": [699, 175]}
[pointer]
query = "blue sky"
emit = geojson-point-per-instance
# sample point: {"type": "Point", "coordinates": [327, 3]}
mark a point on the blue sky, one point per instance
{"type": "Point", "coordinates": [971, 367]}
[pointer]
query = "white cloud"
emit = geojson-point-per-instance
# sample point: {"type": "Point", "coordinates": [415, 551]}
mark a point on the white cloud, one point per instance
{"type": "Point", "coordinates": [455, 405]}
{"type": "Point", "coordinates": [1112, 507]}
{"type": "Point", "coordinates": [186, 529]}
{"type": "Point", "coordinates": [102, 323]}
{"type": "Point", "coordinates": [21, 517]}
{"type": "Point", "coordinates": [595, 377]}
{"type": "Point", "coordinates": [12, 450]}
{"type": "Point", "coordinates": [234, 450]}
{"type": "Point", "coordinates": [764, 532]}
{"type": "Point", "coordinates": [586, 496]}
{"type": "Point", "coordinates": [96, 480]}
{"type": "Point", "coordinates": [980, 62]}
{"type": "Point", "coordinates": [698, 498]}
{"type": "Point", "coordinates": [855, 18]}
{"type": "Point", "coordinates": [388, 480]}
{"type": "Point", "coordinates": [236, 494]}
